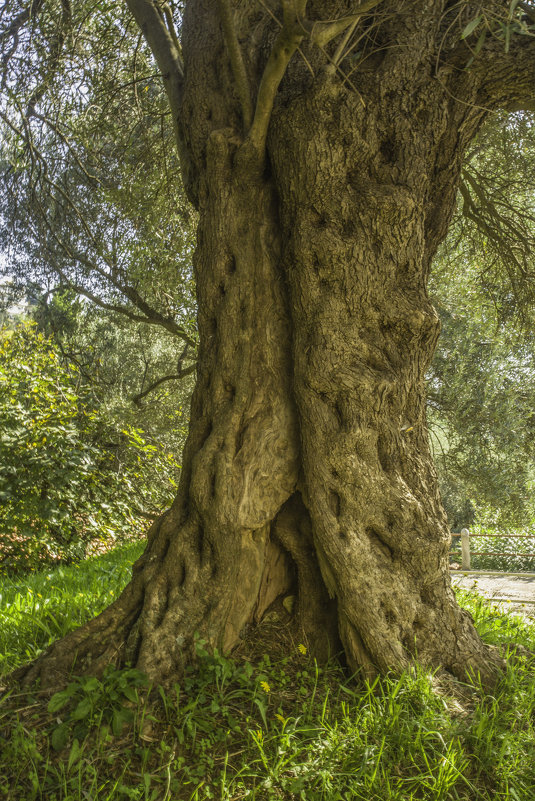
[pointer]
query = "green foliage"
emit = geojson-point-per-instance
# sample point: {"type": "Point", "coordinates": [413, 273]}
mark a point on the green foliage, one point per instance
{"type": "Point", "coordinates": [67, 477]}
{"type": "Point", "coordinates": [492, 237]}
{"type": "Point", "coordinates": [271, 730]}
{"type": "Point", "coordinates": [93, 198]}
{"type": "Point", "coordinates": [118, 362]}
{"type": "Point", "coordinates": [482, 380]}
{"type": "Point", "coordinates": [481, 394]}
{"type": "Point", "coordinates": [499, 21]}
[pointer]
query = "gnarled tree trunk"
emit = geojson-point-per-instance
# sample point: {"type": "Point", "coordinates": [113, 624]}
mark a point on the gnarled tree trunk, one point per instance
{"type": "Point", "coordinates": [307, 468]}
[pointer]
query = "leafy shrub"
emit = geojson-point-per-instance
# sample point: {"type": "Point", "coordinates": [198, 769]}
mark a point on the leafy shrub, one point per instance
{"type": "Point", "coordinates": [67, 476]}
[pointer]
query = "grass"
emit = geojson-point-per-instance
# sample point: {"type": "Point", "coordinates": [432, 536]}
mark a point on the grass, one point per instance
{"type": "Point", "coordinates": [274, 729]}
{"type": "Point", "coordinates": [37, 608]}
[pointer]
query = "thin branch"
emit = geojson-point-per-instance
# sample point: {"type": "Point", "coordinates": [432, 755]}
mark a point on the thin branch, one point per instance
{"type": "Point", "coordinates": [275, 19]}
{"type": "Point", "coordinates": [500, 231]}
{"type": "Point", "coordinates": [54, 127]}
{"type": "Point", "coordinates": [171, 28]}
{"type": "Point", "coordinates": [528, 10]}
{"type": "Point", "coordinates": [162, 322]}
{"type": "Point", "coordinates": [21, 19]}
{"type": "Point", "coordinates": [13, 30]}
{"type": "Point", "coordinates": [341, 49]}
{"type": "Point", "coordinates": [236, 61]}
{"type": "Point", "coordinates": [149, 315]}
{"type": "Point", "coordinates": [174, 377]}
{"type": "Point", "coordinates": [54, 60]}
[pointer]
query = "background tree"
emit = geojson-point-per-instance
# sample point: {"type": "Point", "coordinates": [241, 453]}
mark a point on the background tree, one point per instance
{"type": "Point", "coordinates": [130, 369]}
{"type": "Point", "coordinates": [93, 208]}
{"type": "Point", "coordinates": [92, 201]}
{"type": "Point", "coordinates": [322, 144]}
{"type": "Point", "coordinates": [481, 378]}
{"type": "Point", "coordinates": [481, 397]}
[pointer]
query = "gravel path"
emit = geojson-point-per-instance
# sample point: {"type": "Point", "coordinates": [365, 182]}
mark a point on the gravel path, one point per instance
{"type": "Point", "coordinates": [512, 592]}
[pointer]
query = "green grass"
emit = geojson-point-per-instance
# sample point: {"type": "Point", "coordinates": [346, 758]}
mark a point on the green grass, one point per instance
{"type": "Point", "coordinates": [273, 730]}
{"type": "Point", "coordinates": [37, 608]}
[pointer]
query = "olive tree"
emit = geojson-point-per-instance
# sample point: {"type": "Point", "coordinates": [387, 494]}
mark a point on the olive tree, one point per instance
{"type": "Point", "coordinates": [322, 144]}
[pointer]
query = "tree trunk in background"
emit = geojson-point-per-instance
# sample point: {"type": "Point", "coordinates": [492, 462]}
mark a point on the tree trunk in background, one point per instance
{"type": "Point", "coordinates": [307, 468]}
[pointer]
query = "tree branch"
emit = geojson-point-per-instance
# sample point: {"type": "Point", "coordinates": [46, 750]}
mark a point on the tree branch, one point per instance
{"type": "Point", "coordinates": [500, 53]}
{"type": "Point", "coordinates": [149, 314]}
{"type": "Point", "coordinates": [56, 49]}
{"type": "Point", "coordinates": [236, 62]}
{"type": "Point", "coordinates": [174, 377]}
{"type": "Point", "coordinates": [164, 50]}
{"type": "Point", "coordinates": [31, 11]}
{"type": "Point", "coordinates": [171, 28]}
{"type": "Point", "coordinates": [321, 33]}
{"type": "Point", "coordinates": [12, 32]}
{"type": "Point", "coordinates": [288, 40]}
{"type": "Point", "coordinates": [150, 317]}
{"type": "Point", "coordinates": [503, 233]}
{"type": "Point", "coordinates": [293, 30]}
{"type": "Point", "coordinates": [508, 78]}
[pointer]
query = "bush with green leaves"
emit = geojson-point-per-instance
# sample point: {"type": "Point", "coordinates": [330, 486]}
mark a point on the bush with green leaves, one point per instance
{"type": "Point", "coordinates": [67, 476]}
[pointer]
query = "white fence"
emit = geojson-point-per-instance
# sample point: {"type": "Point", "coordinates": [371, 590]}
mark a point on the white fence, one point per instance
{"type": "Point", "coordinates": [467, 553]}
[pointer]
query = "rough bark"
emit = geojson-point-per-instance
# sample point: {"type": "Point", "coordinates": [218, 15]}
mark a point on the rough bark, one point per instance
{"type": "Point", "coordinates": [364, 333]}
{"type": "Point", "coordinates": [307, 468]}
{"type": "Point", "coordinates": [210, 565]}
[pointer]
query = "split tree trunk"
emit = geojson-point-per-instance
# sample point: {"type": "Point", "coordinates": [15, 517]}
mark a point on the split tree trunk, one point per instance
{"type": "Point", "coordinates": [307, 467]}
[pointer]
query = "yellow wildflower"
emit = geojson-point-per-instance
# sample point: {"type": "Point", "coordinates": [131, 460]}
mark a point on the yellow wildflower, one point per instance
{"type": "Point", "coordinates": [265, 686]}
{"type": "Point", "coordinates": [302, 648]}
